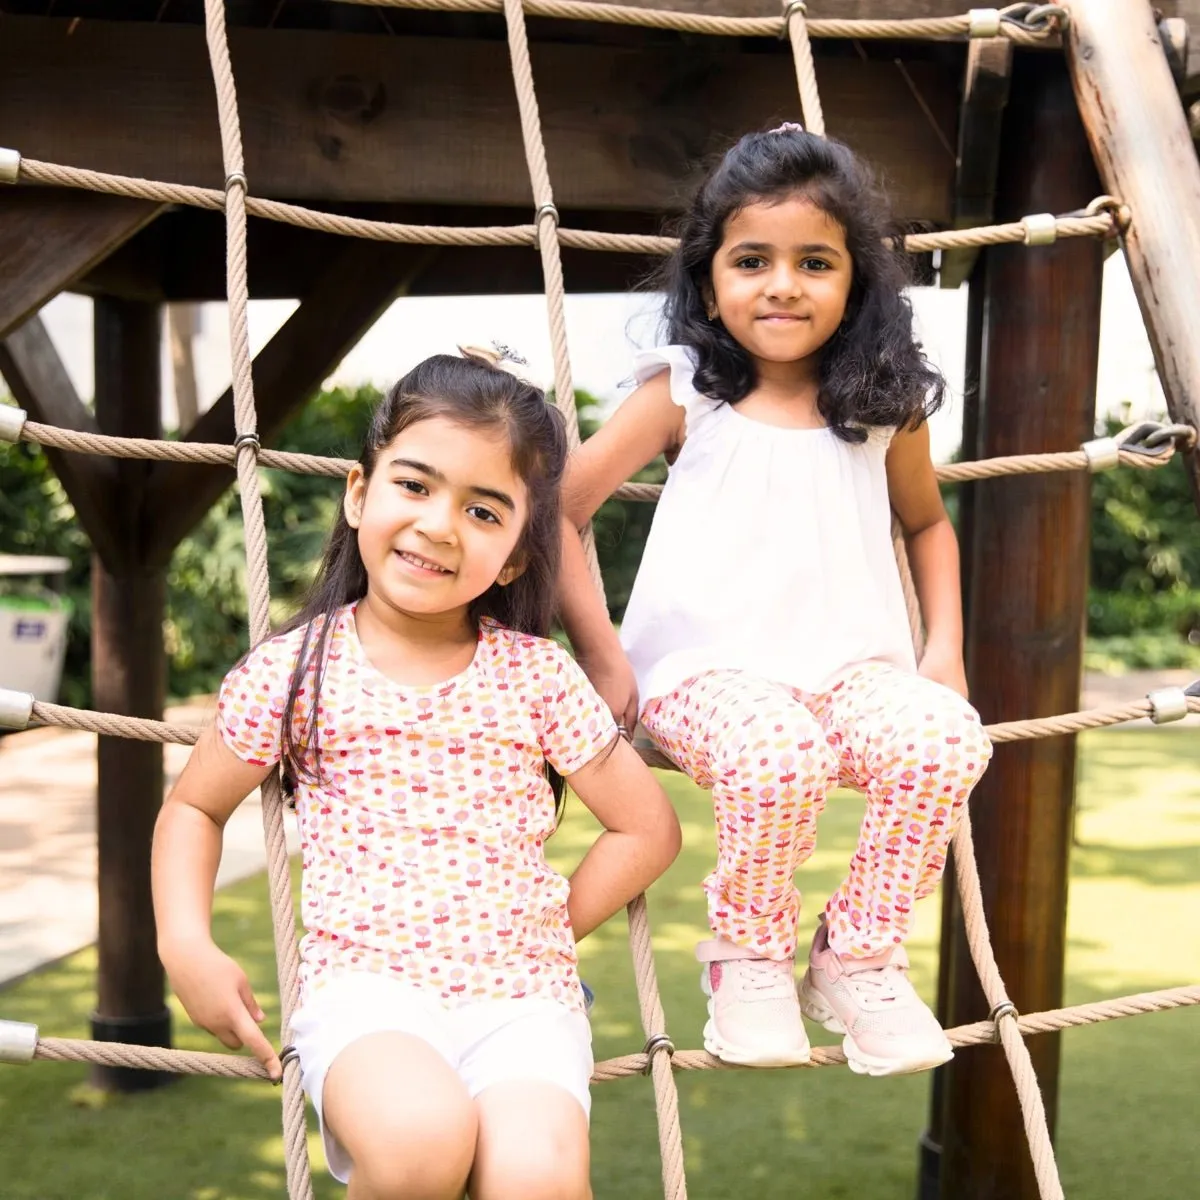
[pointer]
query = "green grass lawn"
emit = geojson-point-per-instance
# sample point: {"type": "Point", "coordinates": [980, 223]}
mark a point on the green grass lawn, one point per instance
{"type": "Point", "coordinates": [1129, 1088]}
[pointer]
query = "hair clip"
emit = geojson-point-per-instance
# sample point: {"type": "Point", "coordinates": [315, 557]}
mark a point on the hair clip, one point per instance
{"type": "Point", "coordinates": [788, 127]}
{"type": "Point", "coordinates": [508, 354]}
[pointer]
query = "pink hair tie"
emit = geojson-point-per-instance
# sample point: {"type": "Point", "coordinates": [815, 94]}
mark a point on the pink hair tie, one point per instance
{"type": "Point", "coordinates": [788, 127]}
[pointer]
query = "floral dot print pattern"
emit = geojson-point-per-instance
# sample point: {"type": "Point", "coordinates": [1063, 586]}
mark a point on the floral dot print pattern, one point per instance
{"type": "Point", "coordinates": [770, 754]}
{"type": "Point", "coordinates": [422, 847]}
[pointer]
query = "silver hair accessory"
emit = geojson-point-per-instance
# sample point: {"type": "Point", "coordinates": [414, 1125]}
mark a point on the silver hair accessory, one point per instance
{"type": "Point", "coordinates": [788, 127]}
{"type": "Point", "coordinates": [508, 354]}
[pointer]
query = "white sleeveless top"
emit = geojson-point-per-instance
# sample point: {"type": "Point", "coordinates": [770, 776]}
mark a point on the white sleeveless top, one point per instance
{"type": "Point", "coordinates": [770, 552]}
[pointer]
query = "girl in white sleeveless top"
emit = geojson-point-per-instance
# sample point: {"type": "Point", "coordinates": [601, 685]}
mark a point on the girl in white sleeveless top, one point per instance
{"type": "Point", "coordinates": [767, 634]}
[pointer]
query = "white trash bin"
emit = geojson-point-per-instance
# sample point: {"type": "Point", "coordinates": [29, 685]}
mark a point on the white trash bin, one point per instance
{"type": "Point", "coordinates": [33, 624]}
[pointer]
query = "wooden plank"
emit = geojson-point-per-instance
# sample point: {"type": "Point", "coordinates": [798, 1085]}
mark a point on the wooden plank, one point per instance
{"type": "Point", "coordinates": [351, 117]}
{"type": "Point", "coordinates": [128, 677]}
{"type": "Point", "coordinates": [39, 382]}
{"type": "Point", "coordinates": [985, 93]}
{"type": "Point", "coordinates": [50, 237]}
{"type": "Point", "coordinates": [1028, 555]}
{"type": "Point", "coordinates": [1139, 136]}
{"type": "Point", "coordinates": [358, 285]}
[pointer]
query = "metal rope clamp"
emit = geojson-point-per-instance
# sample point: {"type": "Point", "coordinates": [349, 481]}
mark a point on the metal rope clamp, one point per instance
{"type": "Point", "coordinates": [1102, 454]}
{"type": "Point", "coordinates": [18, 1042]}
{"type": "Point", "coordinates": [287, 1055]}
{"type": "Point", "coordinates": [983, 23]}
{"type": "Point", "coordinates": [1006, 1008]}
{"type": "Point", "coordinates": [791, 9]}
{"type": "Point", "coordinates": [1041, 229]}
{"type": "Point", "coordinates": [654, 1043]}
{"type": "Point", "coordinates": [10, 165]}
{"type": "Point", "coordinates": [1169, 704]}
{"type": "Point", "coordinates": [12, 423]}
{"type": "Point", "coordinates": [550, 211]}
{"type": "Point", "coordinates": [247, 439]}
{"type": "Point", "coordinates": [15, 709]}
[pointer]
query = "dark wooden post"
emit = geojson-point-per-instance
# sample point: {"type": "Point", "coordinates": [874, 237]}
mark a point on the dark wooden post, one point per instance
{"type": "Point", "coordinates": [128, 677]}
{"type": "Point", "coordinates": [1028, 555]}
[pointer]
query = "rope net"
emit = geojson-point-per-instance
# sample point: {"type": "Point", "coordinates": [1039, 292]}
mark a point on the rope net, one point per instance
{"type": "Point", "coordinates": [1148, 445]}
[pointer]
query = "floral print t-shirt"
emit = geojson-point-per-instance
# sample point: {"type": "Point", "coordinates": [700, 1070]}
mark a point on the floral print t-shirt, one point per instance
{"type": "Point", "coordinates": [422, 848]}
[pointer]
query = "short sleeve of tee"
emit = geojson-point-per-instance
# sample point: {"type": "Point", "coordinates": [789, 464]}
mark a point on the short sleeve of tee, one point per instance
{"type": "Point", "coordinates": [576, 724]}
{"type": "Point", "coordinates": [252, 699]}
{"type": "Point", "coordinates": [679, 362]}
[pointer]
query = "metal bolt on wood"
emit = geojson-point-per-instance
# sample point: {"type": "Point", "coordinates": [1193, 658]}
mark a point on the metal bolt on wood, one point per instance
{"type": "Point", "coordinates": [15, 709]}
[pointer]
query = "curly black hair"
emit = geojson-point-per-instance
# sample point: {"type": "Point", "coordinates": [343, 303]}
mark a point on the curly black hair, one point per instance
{"type": "Point", "coordinates": [873, 371]}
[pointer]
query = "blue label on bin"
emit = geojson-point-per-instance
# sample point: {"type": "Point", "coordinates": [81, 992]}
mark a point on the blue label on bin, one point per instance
{"type": "Point", "coordinates": [30, 631]}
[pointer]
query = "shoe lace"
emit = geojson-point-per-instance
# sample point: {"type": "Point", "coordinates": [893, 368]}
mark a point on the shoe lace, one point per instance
{"type": "Point", "coordinates": [881, 984]}
{"type": "Point", "coordinates": [765, 977]}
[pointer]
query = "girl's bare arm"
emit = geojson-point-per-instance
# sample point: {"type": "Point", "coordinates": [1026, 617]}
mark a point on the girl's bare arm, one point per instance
{"type": "Point", "coordinates": [184, 860]}
{"type": "Point", "coordinates": [640, 840]}
{"type": "Point", "coordinates": [933, 554]}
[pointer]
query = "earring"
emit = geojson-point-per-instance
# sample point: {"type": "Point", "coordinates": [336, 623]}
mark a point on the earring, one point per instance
{"type": "Point", "coordinates": [711, 312]}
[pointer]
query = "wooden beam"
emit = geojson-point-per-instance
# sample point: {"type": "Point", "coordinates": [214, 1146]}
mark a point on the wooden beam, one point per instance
{"type": "Point", "coordinates": [357, 287]}
{"type": "Point", "coordinates": [985, 93]}
{"type": "Point", "coordinates": [50, 237]}
{"type": "Point", "coordinates": [39, 381]}
{"type": "Point", "coordinates": [129, 670]}
{"type": "Point", "coordinates": [1028, 555]}
{"type": "Point", "coordinates": [417, 119]}
{"type": "Point", "coordinates": [1140, 139]}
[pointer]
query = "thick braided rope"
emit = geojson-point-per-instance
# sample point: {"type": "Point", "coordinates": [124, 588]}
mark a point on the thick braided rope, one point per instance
{"type": "Point", "coordinates": [796, 26]}
{"type": "Point", "coordinates": [914, 29]}
{"type": "Point", "coordinates": [665, 1093]}
{"type": "Point", "coordinates": [222, 454]}
{"type": "Point", "coordinates": [977, 1033]}
{"type": "Point", "coordinates": [295, 1132]}
{"type": "Point", "coordinates": [1104, 224]}
{"type": "Point", "coordinates": [1029, 1094]}
{"type": "Point", "coordinates": [143, 730]}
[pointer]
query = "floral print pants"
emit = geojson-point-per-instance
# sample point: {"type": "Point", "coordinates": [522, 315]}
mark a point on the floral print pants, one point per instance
{"type": "Point", "coordinates": [770, 754]}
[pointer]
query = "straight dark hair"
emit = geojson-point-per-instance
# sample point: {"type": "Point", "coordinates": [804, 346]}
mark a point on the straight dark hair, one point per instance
{"type": "Point", "coordinates": [872, 370]}
{"type": "Point", "coordinates": [476, 394]}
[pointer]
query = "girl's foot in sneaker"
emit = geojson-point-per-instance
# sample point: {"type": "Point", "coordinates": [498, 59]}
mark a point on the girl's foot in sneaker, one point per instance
{"type": "Point", "coordinates": [889, 1028]}
{"type": "Point", "coordinates": [753, 1012]}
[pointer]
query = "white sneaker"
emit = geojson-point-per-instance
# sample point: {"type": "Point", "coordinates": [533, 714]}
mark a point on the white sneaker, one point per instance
{"type": "Point", "coordinates": [753, 1011]}
{"type": "Point", "coordinates": [889, 1028]}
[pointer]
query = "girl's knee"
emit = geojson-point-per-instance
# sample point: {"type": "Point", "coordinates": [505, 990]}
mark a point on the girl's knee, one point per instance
{"type": "Point", "coordinates": [408, 1170]}
{"type": "Point", "coordinates": [532, 1173]}
{"type": "Point", "coordinates": [781, 737]}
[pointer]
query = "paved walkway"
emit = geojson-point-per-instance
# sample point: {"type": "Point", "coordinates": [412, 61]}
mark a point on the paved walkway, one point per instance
{"type": "Point", "coordinates": [48, 841]}
{"type": "Point", "coordinates": [48, 833]}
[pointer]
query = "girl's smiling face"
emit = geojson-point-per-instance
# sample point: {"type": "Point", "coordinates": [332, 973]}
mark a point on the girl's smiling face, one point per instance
{"type": "Point", "coordinates": [440, 518]}
{"type": "Point", "coordinates": [781, 279]}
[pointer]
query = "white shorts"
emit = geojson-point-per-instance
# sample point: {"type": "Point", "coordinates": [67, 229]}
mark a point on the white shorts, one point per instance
{"type": "Point", "coordinates": [493, 1041]}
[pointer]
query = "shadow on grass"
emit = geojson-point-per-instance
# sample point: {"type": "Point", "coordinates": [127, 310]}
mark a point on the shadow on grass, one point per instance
{"type": "Point", "coordinates": [1127, 1092]}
